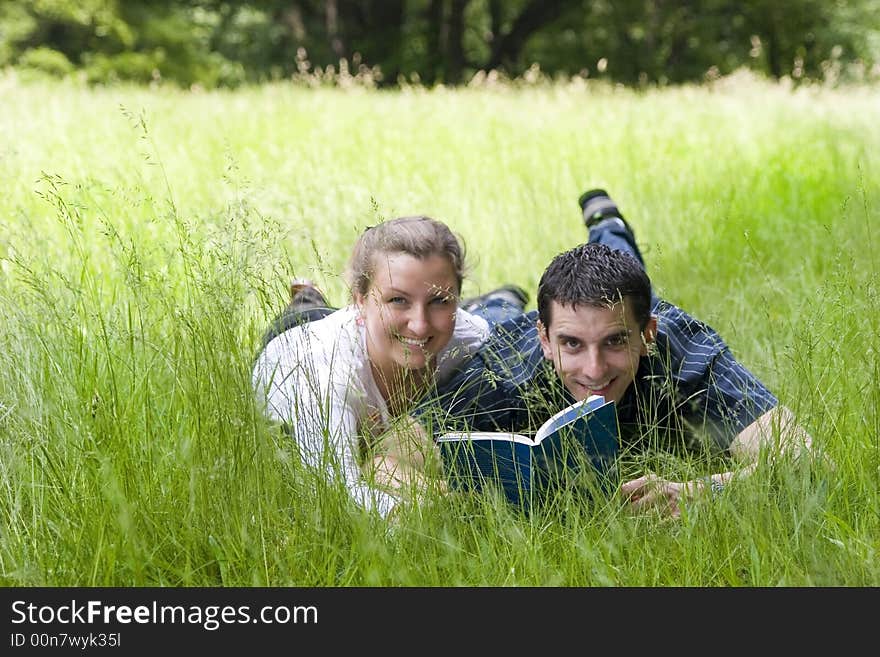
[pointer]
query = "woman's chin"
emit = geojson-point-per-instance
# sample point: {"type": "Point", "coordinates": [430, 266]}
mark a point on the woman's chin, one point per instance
{"type": "Point", "coordinates": [416, 363]}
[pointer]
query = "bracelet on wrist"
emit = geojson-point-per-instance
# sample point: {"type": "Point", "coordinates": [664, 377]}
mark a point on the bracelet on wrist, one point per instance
{"type": "Point", "coordinates": [715, 487]}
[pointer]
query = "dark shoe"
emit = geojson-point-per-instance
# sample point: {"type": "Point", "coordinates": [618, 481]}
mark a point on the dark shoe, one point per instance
{"type": "Point", "coordinates": [596, 206]}
{"type": "Point", "coordinates": [307, 304]}
{"type": "Point", "coordinates": [304, 295]}
{"type": "Point", "coordinates": [512, 294]}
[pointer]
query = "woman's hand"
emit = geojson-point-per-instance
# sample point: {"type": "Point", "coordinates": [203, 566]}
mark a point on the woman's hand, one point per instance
{"type": "Point", "coordinates": [405, 461]}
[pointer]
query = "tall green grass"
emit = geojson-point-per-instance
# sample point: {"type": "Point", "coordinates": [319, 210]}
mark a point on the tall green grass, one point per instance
{"type": "Point", "coordinates": [147, 237]}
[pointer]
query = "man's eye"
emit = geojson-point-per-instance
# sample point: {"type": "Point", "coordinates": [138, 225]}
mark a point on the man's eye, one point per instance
{"type": "Point", "coordinates": [571, 344]}
{"type": "Point", "coordinates": [617, 341]}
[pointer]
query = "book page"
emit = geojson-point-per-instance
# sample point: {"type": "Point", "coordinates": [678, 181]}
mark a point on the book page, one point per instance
{"type": "Point", "coordinates": [486, 435]}
{"type": "Point", "coordinates": [568, 415]}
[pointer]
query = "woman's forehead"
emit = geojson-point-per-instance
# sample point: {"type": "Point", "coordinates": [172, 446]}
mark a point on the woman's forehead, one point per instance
{"type": "Point", "coordinates": [403, 270]}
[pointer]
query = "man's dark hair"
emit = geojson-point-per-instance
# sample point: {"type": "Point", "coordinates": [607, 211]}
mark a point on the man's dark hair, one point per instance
{"type": "Point", "coordinates": [595, 275]}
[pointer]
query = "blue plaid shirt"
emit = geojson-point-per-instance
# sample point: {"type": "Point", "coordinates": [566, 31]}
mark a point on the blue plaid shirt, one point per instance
{"type": "Point", "coordinates": [688, 389]}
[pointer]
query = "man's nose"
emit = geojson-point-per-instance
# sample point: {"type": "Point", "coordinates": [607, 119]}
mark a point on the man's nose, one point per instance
{"type": "Point", "coordinates": [593, 364]}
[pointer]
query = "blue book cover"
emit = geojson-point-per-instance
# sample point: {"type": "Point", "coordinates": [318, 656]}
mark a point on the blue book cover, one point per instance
{"type": "Point", "coordinates": [577, 446]}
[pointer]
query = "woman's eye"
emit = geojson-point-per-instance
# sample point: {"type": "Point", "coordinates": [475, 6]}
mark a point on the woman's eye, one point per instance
{"type": "Point", "coordinates": [397, 301]}
{"type": "Point", "coordinates": [442, 301]}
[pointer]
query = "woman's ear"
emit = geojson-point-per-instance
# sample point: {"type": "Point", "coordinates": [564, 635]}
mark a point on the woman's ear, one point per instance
{"type": "Point", "coordinates": [359, 301]}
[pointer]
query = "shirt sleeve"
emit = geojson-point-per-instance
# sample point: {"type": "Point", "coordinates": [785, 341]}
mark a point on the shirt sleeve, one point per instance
{"type": "Point", "coordinates": [488, 392]}
{"type": "Point", "coordinates": [320, 415]}
{"type": "Point", "coordinates": [736, 398]}
{"type": "Point", "coordinates": [714, 392]}
{"type": "Point", "coordinates": [471, 331]}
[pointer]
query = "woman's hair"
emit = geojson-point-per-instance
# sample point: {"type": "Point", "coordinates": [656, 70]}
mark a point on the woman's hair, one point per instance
{"type": "Point", "coordinates": [418, 236]}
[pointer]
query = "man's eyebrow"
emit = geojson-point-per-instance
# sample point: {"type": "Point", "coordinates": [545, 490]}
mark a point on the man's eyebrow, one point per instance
{"type": "Point", "coordinates": [623, 332]}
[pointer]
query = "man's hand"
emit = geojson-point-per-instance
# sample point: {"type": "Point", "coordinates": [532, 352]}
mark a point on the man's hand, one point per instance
{"type": "Point", "coordinates": [653, 492]}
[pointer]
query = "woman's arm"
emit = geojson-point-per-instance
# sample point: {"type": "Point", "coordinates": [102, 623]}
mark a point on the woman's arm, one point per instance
{"type": "Point", "coordinates": [322, 419]}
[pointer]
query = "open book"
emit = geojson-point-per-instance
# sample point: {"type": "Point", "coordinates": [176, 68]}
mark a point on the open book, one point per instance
{"type": "Point", "coordinates": [576, 447]}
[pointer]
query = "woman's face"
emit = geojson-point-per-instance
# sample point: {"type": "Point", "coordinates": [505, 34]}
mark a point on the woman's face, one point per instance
{"type": "Point", "coordinates": [409, 310]}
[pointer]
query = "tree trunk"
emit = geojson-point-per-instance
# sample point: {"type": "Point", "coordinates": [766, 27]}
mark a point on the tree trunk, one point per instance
{"type": "Point", "coordinates": [455, 49]}
{"type": "Point", "coordinates": [495, 16]}
{"type": "Point", "coordinates": [507, 48]}
{"type": "Point", "coordinates": [436, 41]}
{"type": "Point", "coordinates": [331, 15]}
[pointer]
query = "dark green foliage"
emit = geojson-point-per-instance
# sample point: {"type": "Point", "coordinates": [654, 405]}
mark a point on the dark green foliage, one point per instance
{"type": "Point", "coordinates": [215, 43]}
{"type": "Point", "coordinates": [47, 61]}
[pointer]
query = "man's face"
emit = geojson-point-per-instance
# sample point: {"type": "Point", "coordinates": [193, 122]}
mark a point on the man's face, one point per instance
{"type": "Point", "coordinates": [595, 350]}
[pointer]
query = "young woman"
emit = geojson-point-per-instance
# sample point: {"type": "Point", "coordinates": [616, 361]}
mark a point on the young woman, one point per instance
{"type": "Point", "coordinates": [338, 379]}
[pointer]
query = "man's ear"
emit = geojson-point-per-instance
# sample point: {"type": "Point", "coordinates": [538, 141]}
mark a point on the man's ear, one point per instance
{"type": "Point", "coordinates": [544, 337]}
{"type": "Point", "coordinates": [649, 335]}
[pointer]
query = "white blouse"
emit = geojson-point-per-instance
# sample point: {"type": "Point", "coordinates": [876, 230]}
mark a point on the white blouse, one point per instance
{"type": "Point", "coordinates": [317, 379]}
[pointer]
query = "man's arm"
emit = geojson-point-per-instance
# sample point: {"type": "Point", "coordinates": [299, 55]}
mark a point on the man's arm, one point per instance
{"type": "Point", "coordinates": [300, 394]}
{"type": "Point", "coordinates": [726, 400]}
{"type": "Point", "coordinates": [489, 391]}
{"type": "Point", "coordinates": [776, 433]}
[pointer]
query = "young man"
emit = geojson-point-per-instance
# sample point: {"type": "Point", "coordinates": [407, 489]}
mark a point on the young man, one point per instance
{"type": "Point", "coordinates": [599, 330]}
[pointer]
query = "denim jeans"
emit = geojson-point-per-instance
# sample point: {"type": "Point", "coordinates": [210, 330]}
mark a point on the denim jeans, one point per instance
{"type": "Point", "coordinates": [614, 233]}
{"type": "Point", "coordinates": [496, 310]}
{"type": "Point", "coordinates": [293, 315]}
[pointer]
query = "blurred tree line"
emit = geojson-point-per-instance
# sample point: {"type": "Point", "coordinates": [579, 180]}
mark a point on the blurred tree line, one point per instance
{"type": "Point", "coordinates": [226, 43]}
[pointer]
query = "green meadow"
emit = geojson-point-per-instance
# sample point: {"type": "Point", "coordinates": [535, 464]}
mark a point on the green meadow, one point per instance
{"type": "Point", "coordinates": [147, 236]}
